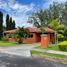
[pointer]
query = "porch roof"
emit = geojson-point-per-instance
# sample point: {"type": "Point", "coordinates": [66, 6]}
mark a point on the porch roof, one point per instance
{"type": "Point", "coordinates": [48, 30]}
{"type": "Point", "coordinates": [31, 29]}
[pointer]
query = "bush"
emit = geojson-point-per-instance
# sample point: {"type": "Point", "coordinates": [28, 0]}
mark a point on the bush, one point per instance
{"type": "Point", "coordinates": [60, 37]}
{"type": "Point", "coordinates": [63, 46]}
{"type": "Point", "coordinates": [4, 39]}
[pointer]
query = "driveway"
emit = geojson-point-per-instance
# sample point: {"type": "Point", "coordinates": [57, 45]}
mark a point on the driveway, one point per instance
{"type": "Point", "coordinates": [7, 60]}
{"type": "Point", "coordinates": [20, 50]}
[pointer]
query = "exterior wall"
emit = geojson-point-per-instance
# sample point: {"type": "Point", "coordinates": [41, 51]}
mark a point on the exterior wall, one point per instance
{"type": "Point", "coordinates": [52, 38]}
{"type": "Point", "coordinates": [11, 39]}
{"type": "Point", "coordinates": [49, 37]}
{"type": "Point", "coordinates": [34, 39]}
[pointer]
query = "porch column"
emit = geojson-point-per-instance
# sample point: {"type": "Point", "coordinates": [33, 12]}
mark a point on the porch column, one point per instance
{"type": "Point", "coordinates": [44, 41]}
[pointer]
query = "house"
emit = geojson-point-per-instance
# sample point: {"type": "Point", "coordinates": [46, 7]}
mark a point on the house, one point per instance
{"type": "Point", "coordinates": [34, 36]}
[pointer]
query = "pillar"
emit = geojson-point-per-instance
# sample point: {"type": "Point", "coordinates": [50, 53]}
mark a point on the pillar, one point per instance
{"type": "Point", "coordinates": [44, 41]}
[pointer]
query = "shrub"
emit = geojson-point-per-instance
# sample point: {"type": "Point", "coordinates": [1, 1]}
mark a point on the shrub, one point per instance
{"type": "Point", "coordinates": [60, 37]}
{"type": "Point", "coordinates": [63, 46]}
{"type": "Point", "coordinates": [4, 39]}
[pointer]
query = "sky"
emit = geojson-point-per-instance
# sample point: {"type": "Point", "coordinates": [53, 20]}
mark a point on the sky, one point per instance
{"type": "Point", "coordinates": [20, 10]}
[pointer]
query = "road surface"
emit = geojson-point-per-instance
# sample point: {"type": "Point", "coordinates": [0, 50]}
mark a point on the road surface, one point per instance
{"type": "Point", "coordinates": [17, 61]}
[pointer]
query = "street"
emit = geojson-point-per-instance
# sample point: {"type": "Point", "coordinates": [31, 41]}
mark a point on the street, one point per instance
{"type": "Point", "coordinates": [17, 61]}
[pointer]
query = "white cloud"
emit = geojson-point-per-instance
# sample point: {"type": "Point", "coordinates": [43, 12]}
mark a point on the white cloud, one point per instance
{"type": "Point", "coordinates": [17, 11]}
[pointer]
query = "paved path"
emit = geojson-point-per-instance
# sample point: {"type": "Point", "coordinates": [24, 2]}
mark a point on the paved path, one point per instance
{"type": "Point", "coordinates": [20, 50]}
{"type": "Point", "coordinates": [24, 50]}
{"type": "Point", "coordinates": [16, 61]}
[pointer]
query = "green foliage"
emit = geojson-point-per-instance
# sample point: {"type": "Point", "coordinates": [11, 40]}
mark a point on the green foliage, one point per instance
{"type": "Point", "coordinates": [13, 24]}
{"type": "Point", "coordinates": [4, 39]}
{"type": "Point", "coordinates": [10, 24]}
{"type": "Point", "coordinates": [20, 34]}
{"type": "Point", "coordinates": [35, 21]}
{"type": "Point", "coordinates": [7, 22]}
{"type": "Point", "coordinates": [60, 37]}
{"type": "Point", "coordinates": [65, 33]}
{"type": "Point", "coordinates": [1, 24]}
{"type": "Point", "coordinates": [55, 24]}
{"type": "Point", "coordinates": [55, 10]}
{"type": "Point", "coordinates": [63, 46]}
{"type": "Point", "coordinates": [42, 30]}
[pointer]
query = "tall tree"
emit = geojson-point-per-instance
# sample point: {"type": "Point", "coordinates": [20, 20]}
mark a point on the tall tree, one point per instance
{"type": "Point", "coordinates": [43, 16]}
{"type": "Point", "coordinates": [7, 22]}
{"type": "Point", "coordinates": [13, 24]}
{"type": "Point", "coordinates": [64, 14]}
{"type": "Point", "coordinates": [10, 23]}
{"type": "Point", "coordinates": [1, 24]}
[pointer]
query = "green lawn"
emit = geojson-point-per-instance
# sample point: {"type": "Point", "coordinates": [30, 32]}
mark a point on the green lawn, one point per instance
{"type": "Point", "coordinates": [2, 43]}
{"type": "Point", "coordinates": [48, 54]}
{"type": "Point", "coordinates": [50, 47]}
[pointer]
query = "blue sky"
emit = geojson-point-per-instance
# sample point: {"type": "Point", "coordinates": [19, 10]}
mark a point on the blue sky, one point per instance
{"type": "Point", "coordinates": [20, 10]}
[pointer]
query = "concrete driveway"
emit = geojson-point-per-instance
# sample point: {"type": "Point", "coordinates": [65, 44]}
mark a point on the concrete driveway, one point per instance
{"type": "Point", "coordinates": [20, 50]}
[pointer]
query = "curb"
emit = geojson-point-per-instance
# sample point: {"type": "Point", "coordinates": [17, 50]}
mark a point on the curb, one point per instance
{"type": "Point", "coordinates": [53, 59]}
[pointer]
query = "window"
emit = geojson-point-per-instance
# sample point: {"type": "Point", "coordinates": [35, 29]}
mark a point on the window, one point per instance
{"type": "Point", "coordinates": [4, 34]}
{"type": "Point", "coordinates": [10, 35]}
{"type": "Point", "coordinates": [30, 36]}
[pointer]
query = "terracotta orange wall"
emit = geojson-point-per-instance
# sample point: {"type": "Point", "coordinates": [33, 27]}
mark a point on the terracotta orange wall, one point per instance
{"type": "Point", "coordinates": [48, 36]}
{"type": "Point", "coordinates": [11, 39]}
{"type": "Point", "coordinates": [33, 39]}
{"type": "Point", "coordinates": [52, 38]}
{"type": "Point", "coordinates": [44, 41]}
{"type": "Point", "coordinates": [36, 38]}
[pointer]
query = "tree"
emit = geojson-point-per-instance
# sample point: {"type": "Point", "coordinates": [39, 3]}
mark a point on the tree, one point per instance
{"type": "Point", "coordinates": [65, 33]}
{"type": "Point", "coordinates": [13, 25]}
{"type": "Point", "coordinates": [4, 28]}
{"type": "Point", "coordinates": [55, 24]}
{"type": "Point", "coordinates": [20, 34]}
{"type": "Point", "coordinates": [10, 24]}
{"type": "Point", "coordinates": [35, 21]}
{"type": "Point", "coordinates": [42, 16]}
{"type": "Point", "coordinates": [64, 14]}
{"type": "Point", "coordinates": [58, 27]}
{"type": "Point", "coordinates": [7, 22]}
{"type": "Point", "coordinates": [1, 24]}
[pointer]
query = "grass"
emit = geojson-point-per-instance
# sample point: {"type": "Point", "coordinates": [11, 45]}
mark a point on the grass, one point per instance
{"type": "Point", "coordinates": [50, 47]}
{"type": "Point", "coordinates": [7, 43]}
{"type": "Point", "coordinates": [48, 54]}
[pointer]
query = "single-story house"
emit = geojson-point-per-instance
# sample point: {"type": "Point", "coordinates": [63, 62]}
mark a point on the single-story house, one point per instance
{"type": "Point", "coordinates": [34, 36]}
